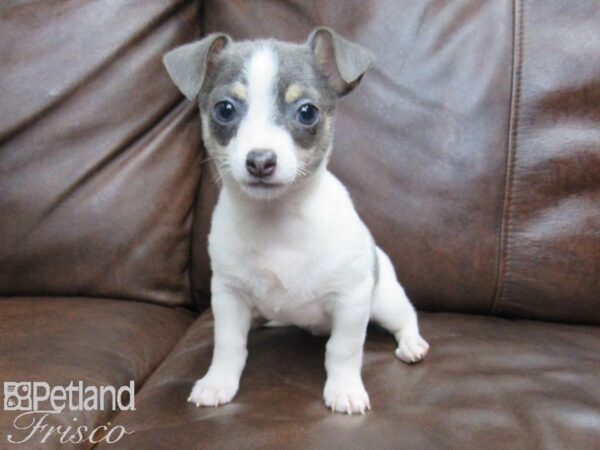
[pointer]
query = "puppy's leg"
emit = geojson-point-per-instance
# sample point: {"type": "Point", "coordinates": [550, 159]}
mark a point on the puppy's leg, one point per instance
{"type": "Point", "coordinates": [344, 390]}
{"type": "Point", "coordinates": [232, 323]}
{"type": "Point", "coordinates": [392, 310]}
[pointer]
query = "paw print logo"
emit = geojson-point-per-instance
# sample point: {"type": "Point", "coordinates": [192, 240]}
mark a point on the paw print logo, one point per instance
{"type": "Point", "coordinates": [17, 396]}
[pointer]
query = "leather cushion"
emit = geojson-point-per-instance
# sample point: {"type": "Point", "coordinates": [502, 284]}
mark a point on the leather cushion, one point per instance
{"type": "Point", "coordinates": [98, 341]}
{"type": "Point", "coordinates": [98, 152]}
{"type": "Point", "coordinates": [420, 144]}
{"type": "Point", "coordinates": [471, 148]}
{"type": "Point", "coordinates": [487, 383]}
{"type": "Point", "coordinates": [551, 240]}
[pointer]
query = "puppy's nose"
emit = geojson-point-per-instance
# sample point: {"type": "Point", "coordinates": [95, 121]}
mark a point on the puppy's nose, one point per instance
{"type": "Point", "coordinates": [261, 163]}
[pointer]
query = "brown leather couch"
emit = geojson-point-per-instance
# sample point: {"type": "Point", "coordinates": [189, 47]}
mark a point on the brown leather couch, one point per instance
{"type": "Point", "coordinates": [472, 151]}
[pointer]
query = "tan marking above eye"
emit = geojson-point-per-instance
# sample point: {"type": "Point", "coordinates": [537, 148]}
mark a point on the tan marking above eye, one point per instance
{"type": "Point", "coordinates": [292, 93]}
{"type": "Point", "coordinates": [239, 91]}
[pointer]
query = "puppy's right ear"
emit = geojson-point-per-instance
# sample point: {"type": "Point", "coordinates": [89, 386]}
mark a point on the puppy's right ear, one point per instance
{"type": "Point", "coordinates": [343, 62]}
{"type": "Point", "coordinates": [188, 65]}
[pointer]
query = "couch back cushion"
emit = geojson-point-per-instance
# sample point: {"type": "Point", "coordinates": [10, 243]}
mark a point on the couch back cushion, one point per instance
{"type": "Point", "coordinates": [449, 147]}
{"type": "Point", "coordinates": [99, 158]}
{"type": "Point", "coordinates": [550, 265]}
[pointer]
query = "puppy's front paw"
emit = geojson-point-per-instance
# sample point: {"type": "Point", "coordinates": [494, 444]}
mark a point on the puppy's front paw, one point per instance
{"type": "Point", "coordinates": [412, 348]}
{"type": "Point", "coordinates": [210, 392]}
{"type": "Point", "coordinates": [346, 396]}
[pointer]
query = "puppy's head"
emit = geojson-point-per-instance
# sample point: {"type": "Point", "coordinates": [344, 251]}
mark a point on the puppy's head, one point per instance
{"type": "Point", "coordinates": [267, 106]}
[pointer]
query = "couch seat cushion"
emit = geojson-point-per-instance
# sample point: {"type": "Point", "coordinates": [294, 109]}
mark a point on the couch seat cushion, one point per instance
{"type": "Point", "coordinates": [97, 341]}
{"type": "Point", "coordinates": [487, 383]}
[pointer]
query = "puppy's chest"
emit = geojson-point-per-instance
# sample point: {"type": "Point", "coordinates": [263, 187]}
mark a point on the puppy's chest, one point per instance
{"type": "Point", "coordinates": [278, 271]}
{"type": "Point", "coordinates": [283, 282]}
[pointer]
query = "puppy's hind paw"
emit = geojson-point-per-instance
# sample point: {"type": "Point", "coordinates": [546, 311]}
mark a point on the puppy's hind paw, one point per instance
{"type": "Point", "coordinates": [412, 349]}
{"type": "Point", "coordinates": [207, 393]}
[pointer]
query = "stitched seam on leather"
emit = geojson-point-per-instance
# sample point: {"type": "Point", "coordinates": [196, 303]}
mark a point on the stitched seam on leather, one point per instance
{"type": "Point", "coordinates": [503, 235]}
{"type": "Point", "coordinates": [191, 295]}
{"type": "Point", "coordinates": [201, 152]}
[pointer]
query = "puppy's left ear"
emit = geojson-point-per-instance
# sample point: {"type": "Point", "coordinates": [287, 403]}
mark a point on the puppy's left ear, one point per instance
{"type": "Point", "coordinates": [188, 65]}
{"type": "Point", "coordinates": [343, 62]}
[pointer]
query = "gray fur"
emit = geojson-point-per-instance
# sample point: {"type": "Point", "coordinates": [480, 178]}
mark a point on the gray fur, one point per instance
{"type": "Point", "coordinates": [375, 264]}
{"type": "Point", "coordinates": [343, 62]}
{"type": "Point", "coordinates": [296, 65]}
{"type": "Point", "coordinates": [187, 65]}
{"type": "Point", "coordinates": [325, 67]}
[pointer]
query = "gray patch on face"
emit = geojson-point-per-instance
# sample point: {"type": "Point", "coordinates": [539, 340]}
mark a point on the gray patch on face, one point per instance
{"type": "Point", "coordinates": [218, 85]}
{"type": "Point", "coordinates": [224, 132]}
{"type": "Point", "coordinates": [296, 65]}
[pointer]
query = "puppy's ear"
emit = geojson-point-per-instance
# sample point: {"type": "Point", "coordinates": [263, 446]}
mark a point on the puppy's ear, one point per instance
{"type": "Point", "coordinates": [188, 65]}
{"type": "Point", "coordinates": [343, 62]}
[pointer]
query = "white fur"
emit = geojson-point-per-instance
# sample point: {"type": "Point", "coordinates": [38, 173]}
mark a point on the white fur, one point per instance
{"type": "Point", "coordinates": [304, 258]}
{"type": "Point", "coordinates": [258, 130]}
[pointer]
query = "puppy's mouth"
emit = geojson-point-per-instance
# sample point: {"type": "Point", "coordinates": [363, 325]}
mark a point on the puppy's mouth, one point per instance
{"type": "Point", "coordinates": [263, 184]}
{"type": "Point", "coordinates": [261, 189]}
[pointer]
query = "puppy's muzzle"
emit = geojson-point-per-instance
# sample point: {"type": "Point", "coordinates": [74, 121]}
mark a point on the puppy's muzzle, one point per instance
{"type": "Point", "coordinates": [261, 163]}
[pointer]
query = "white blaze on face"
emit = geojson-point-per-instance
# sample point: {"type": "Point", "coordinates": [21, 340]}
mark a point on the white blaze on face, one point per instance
{"type": "Point", "coordinates": [258, 130]}
{"type": "Point", "coordinates": [261, 72]}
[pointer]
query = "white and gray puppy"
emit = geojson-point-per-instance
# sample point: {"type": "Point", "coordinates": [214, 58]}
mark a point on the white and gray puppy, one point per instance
{"type": "Point", "coordinates": [286, 243]}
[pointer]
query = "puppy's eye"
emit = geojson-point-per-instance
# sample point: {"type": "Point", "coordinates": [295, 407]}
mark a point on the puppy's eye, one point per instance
{"type": "Point", "coordinates": [224, 111]}
{"type": "Point", "coordinates": [307, 114]}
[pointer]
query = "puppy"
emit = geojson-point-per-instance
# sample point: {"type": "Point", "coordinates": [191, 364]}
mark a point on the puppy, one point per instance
{"type": "Point", "coordinates": [286, 243]}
